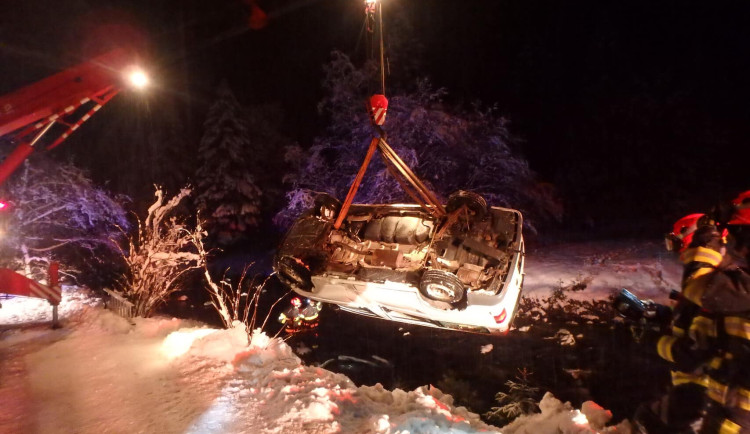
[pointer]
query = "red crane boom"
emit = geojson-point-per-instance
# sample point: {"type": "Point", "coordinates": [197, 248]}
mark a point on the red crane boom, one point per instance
{"type": "Point", "coordinates": [64, 101]}
{"type": "Point", "coordinates": [31, 111]}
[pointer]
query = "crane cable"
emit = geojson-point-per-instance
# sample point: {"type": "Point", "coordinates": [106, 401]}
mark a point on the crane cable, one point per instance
{"type": "Point", "coordinates": [417, 190]}
{"type": "Point", "coordinates": [382, 47]}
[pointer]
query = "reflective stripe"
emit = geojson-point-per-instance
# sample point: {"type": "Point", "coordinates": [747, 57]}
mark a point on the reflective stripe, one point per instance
{"type": "Point", "coordinates": [701, 254]}
{"type": "Point", "coordinates": [743, 399]}
{"type": "Point", "coordinates": [716, 390]}
{"type": "Point", "coordinates": [737, 326]}
{"type": "Point", "coordinates": [694, 291]}
{"type": "Point", "coordinates": [703, 326]}
{"type": "Point", "coordinates": [701, 272]}
{"type": "Point", "coordinates": [709, 256]}
{"type": "Point", "coordinates": [664, 347]}
{"type": "Point", "coordinates": [685, 378]}
{"type": "Point", "coordinates": [688, 255]}
{"type": "Point", "coordinates": [729, 427]}
{"type": "Point", "coordinates": [740, 397]}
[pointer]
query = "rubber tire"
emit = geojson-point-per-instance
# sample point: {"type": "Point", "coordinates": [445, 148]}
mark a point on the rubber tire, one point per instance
{"type": "Point", "coordinates": [442, 286]}
{"type": "Point", "coordinates": [294, 274]}
{"type": "Point", "coordinates": [325, 200]}
{"type": "Point", "coordinates": [474, 202]}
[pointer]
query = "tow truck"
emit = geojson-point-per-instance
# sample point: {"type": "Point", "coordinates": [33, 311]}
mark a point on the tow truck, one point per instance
{"type": "Point", "coordinates": [41, 116]}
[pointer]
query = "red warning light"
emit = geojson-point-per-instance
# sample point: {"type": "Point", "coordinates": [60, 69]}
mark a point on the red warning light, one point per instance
{"type": "Point", "coordinates": [500, 318]}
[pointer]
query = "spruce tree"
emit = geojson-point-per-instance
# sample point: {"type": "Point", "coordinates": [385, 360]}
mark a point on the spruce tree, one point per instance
{"type": "Point", "coordinates": [227, 195]}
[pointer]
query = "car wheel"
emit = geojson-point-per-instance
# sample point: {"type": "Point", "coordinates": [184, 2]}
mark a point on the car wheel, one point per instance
{"type": "Point", "coordinates": [293, 272]}
{"type": "Point", "coordinates": [442, 286]}
{"type": "Point", "coordinates": [474, 202]}
{"type": "Point", "coordinates": [326, 206]}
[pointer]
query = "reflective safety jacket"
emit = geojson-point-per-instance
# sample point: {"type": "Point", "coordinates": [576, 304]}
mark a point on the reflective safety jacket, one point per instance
{"type": "Point", "coordinates": [724, 338]}
{"type": "Point", "coordinates": [682, 346]}
{"type": "Point", "coordinates": [292, 314]}
{"type": "Point", "coordinates": [310, 313]}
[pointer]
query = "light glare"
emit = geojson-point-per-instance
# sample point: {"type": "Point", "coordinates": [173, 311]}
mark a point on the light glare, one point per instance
{"type": "Point", "coordinates": [580, 419]}
{"type": "Point", "coordinates": [178, 343]}
{"type": "Point", "coordinates": [138, 79]}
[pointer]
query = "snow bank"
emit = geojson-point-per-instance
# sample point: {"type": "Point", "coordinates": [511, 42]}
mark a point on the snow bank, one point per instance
{"type": "Point", "coordinates": [103, 373]}
{"type": "Point", "coordinates": [558, 417]}
{"type": "Point", "coordinates": [269, 379]}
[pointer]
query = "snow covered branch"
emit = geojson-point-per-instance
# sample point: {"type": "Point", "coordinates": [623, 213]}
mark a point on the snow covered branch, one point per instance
{"type": "Point", "coordinates": [161, 252]}
{"type": "Point", "coordinates": [230, 301]}
{"type": "Point", "coordinates": [450, 147]}
{"type": "Point", "coordinates": [59, 213]}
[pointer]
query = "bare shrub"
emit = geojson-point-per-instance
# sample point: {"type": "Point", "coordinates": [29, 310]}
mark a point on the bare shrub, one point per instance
{"type": "Point", "coordinates": [559, 307]}
{"type": "Point", "coordinates": [161, 252]}
{"type": "Point", "coordinates": [238, 303]}
{"type": "Point", "coordinates": [234, 303]}
{"type": "Point", "coordinates": [230, 302]}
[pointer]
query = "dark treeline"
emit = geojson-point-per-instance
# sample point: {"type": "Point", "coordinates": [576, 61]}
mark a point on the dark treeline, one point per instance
{"type": "Point", "coordinates": [635, 111]}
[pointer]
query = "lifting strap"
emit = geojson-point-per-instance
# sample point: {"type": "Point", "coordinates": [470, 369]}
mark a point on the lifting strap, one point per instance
{"type": "Point", "coordinates": [403, 174]}
{"type": "Point", "coordinates": [355, 185]}
{"type": "Point", "coordinates": [434, 206]}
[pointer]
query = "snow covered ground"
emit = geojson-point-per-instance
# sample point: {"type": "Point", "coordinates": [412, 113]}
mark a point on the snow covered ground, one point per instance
{"type": "Point", "coordinates": [644, 268]}
{"type": "Point", "coordinates": [99, 373]}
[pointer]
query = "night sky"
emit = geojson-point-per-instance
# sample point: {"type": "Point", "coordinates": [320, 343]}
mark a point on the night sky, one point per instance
{"type": "Point", "coordinates": [635, 111]}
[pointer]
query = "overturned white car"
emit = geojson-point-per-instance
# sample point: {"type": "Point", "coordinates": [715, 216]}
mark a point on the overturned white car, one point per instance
{"type": "Point", "coordinates": [463, 271]}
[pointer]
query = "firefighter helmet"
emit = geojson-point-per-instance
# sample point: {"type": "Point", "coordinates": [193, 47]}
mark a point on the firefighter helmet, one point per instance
{"type": "Point", "coordinates": [296, 302]}
{"type": "Point", "coordinates": [741, 214]}
{"type": "Point", "coordinates": [682, 232]}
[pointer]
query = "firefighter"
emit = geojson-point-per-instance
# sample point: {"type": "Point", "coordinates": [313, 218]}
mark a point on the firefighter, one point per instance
{"type": "Point", "coordinates": [297, 317]}
{"type": "Point", "coordinates": [310, 313]}
{"type": "Point", "coordinates": [699, 243]}
{"type": "Point", "coordinates": [726, 294]}
{"type": "Point", "coordinates": [291, 317]}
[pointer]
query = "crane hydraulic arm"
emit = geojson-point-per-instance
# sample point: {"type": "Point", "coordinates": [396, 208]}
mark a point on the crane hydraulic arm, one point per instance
{"type": "Point", "coordinates": [53, 106]}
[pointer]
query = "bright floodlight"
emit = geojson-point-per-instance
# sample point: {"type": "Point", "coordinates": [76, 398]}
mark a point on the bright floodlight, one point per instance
{"type": "Point", "coordinates": [138, 79]}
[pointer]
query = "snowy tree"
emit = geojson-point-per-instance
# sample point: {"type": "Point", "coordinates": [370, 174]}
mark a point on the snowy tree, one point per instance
{"type": "Point", "coordinates": [227, 194]}
{"type": "Point", "coordinates": [58, 213]}
{"type": "Point", "coordinates": [451, 148]}
{"type": "Point", "coordinates": [268, 145]}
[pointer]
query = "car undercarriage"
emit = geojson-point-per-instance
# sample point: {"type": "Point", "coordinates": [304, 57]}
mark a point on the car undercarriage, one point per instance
{"type": "Point", "coordinates": [473, 255]}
